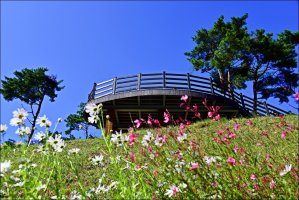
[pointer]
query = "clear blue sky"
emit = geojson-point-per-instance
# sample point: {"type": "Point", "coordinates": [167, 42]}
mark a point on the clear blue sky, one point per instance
{"type": "Point", "coordinates": [85, 42]}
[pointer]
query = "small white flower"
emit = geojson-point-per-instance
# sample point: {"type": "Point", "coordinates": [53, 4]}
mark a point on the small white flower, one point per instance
{"type": "Point", "coordinates": [119, 139]}
{"type": "Point", "coordinates": [97, 160]}
{"type": "Point", "coordinates": [210, 159]}
{"type": "Point", "coordinates": [3, 128]}
{"type": "Point", "coordinates": [286, 170]}
{"type": "Point", "coordinates": [93, 119]}
{"type": "Point", "coordinates": [19, 117]}
{"type": "Point", "coordinates": [75, 195]}
{"type": "Point", "coordinates": [59, 120]}
{"type": "Point", "coordinates": [74, 151]}
{"type": "Point", "coordinates": [183, 185]}
{"type": "Point", "coordinates": [147, 139]}
{"type": "Point", "coordinates": [172, 191]}
{"type": "Point", "coordinates": [182, 137]}
{"type": "Point", "coordinates": [41, 186]}
{"type": "Point", "coordinates": [93, 109]}
{"type": "Point", "coordinates": [23, 131]}
{"type": "Point", "coordinates": [19, 184]}
{"type": "Point", "coordinates": [57, 143]}
{"type": "Point", "coordinates": [5, 166]}
{"type": "Point", "coordinates": [44, 121]}
{"type": "Point", "coordinates": [39, 136]}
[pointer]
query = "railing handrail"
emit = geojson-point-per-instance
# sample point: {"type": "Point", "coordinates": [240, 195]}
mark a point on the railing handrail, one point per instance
{"type": "Point", "coordinates": [184, 81]}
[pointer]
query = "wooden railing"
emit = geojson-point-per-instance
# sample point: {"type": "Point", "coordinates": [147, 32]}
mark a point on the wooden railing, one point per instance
{"type": "Point", "coordinates": [181, 82]}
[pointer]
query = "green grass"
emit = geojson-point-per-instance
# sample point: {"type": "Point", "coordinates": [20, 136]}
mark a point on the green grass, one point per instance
{"type": "Point", "coordinates": [261, 148]}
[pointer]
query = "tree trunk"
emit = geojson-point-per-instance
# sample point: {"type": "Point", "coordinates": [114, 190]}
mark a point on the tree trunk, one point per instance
{"type": "Point", "coordinates": [34, 120]}
{"type": "Point", "coordinates": [255, 96]}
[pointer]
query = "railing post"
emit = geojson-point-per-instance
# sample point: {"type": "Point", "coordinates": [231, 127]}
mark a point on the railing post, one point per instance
{"type": "Point", "coordinates": [266, 107]}
{"type": "Point", "coordinates": [164, 79]}
{"type": "Point", "coordinates": [212, 87]}
{"type": "Point", "coordinates": [231, 92]}
{"type": "Point", "coordinates": [188, 79]}
{"type": "Point", "coordinates": [114, 86]}
{"type": "Point", "coordinates": [139, 81]}
{"type": "Point", "coordinates": [242, 100]}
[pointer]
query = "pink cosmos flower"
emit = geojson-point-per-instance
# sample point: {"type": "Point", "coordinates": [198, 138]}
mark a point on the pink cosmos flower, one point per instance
{"type": "Point", "coordinates": [231, 161]}
{"type": "Point", "coordinates": [256, 187]}
{"type": "Point", "coordinates": [272, 184]}
{"type": "Point", "coordinates": [184, 98]}
{"type": "Point", "coordinates": [236, 148]}
{"type": "Point", "coordinates": [138, 122]}
{"type": "Point", "coordinates": [249, 122]}
{"type": "Point", "coordinates": [231, 135]}
{"type": "Point", "coordinates": [283, 134]}
{"type": "Point", "coordinates": [172, 191]}
{"type": "Point", "coordinates": [194, 166]}
{"type": "Point", "coordinates": [296, 96]}
{"type": "Point", "coordinates": [132, 157]}
{"type": "Point", "coordinates": [242, 162]}
{"type": "Point", "coordinates": [237, 126]}
{"type": "Point", "coordinates": [132, 138]}
{"type": "Point", "coordinates": [252, 177]}
{"type": "Point", "coordinates": [166, 117]}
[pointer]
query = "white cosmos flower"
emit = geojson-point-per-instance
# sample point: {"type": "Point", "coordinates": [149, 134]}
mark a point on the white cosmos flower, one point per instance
{"type": "Point", "coordinates": [19, 184]}
{"type": "Point", "coordinates": [74, 151]}
{"type": "Point", "coordinates": [19, 117]}
{"type": "Point", "coordinates": [56, 142]}
{"type": "Point", "coordinates": [93, 109]}
{"type": "Point", "coordinates": [147, 139]}
{"type": "Point", "coordinates": [5, 166]}
{"type": "Point", "coordinates": [20, 113]}
{"type": "Point", "coordinates": [23, 131]}
{"type": "Point", "coordinates": [93, 119]}
{"type": "Point", "coordinates": [44, 121]}
{"type": "Point", "coordinates": [3, 128]}
{"type": "Point", "coordinates": [286, 170]}
{"type": "Point", "coordinates": [119, 138]}
{"type": "Point", "coordinates": [39, 136]}
{"type": "Point", "coordinates": [182, 137]}
{"type": "Point", "coordinates": [97, 160]}
{"type": "Point", "coordinates": [75, 195]}
{"type": "Point", "coordinates": [210, 159]}
{"type": "Point", "coordinates": [172, 191]}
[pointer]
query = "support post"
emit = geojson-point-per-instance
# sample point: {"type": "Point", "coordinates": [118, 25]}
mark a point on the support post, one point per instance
{"type": "Point", "coordinates": [110, 120]}
{"type": "Point", "coordinates": [114, 85]}
{"type": "Point", "coordinates": [139, 81]}
{"type": "Point", "coordinates": [267, 109]}
{"type": "Point", "coordinates": [212, 87]}
{"type": "Point", "coordinates": [242, 100]}
{"type": "Point", "coordinates": [164, 79]}
{"type": "Point", "coordinates": [188, 79]}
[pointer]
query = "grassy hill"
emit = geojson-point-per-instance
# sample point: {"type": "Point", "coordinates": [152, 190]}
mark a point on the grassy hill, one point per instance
{"type": "Point", "coordinates": [238, 158]}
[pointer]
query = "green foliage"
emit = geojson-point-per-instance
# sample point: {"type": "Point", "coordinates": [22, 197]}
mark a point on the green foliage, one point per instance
{"type": "Point", "coordinates": [220, 50]}
{"type": "Point", "coordinates": [30, 86]}
{"type": "Point", "coordinates": [77, 121]}
{"type": "Point", "coordinates": [258, 144]}
{"type": "Point", "coordinates": [234, 56]}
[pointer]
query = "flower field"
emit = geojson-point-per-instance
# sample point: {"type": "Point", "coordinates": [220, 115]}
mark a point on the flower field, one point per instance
{"type": "Point", "coordinates": [209, 159]}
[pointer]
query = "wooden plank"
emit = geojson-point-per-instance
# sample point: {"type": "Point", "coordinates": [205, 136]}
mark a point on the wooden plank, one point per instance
{"type": "Point", "coordinates": [126, 81]}
{"type": "Point", "coordinates": [199, 77]}
{"type": "Point", "coordinates": [128, 85]}
{"type": "Point", "coordinates": [127, 77]}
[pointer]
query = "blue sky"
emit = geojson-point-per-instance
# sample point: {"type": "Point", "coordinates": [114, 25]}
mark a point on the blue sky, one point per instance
{"type": "Point", "coordinates": [85, 42]}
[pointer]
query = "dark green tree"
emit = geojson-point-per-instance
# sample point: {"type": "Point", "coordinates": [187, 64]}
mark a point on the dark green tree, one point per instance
{"type": "Point", "coordinates": [235, 56]}
{"type": "Point", "coordinates": [31, 86]}
{"type": "Point", "coordinates": [77, 121]}
{"type": "Point", "coordinates": [220, 51]}
{"type": "Point", "coordinates": [273, 65]}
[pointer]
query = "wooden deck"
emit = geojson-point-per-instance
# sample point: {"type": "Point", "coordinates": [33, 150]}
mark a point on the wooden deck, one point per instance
{"type": "Point", "coordinates": [131, 97]}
